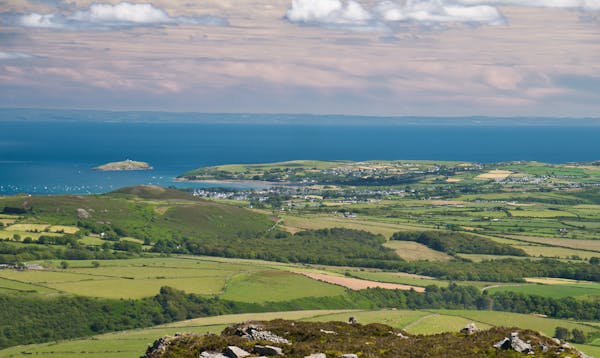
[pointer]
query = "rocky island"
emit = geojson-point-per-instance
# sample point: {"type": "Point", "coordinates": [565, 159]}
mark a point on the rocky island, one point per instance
{"type": "Point", "coordinates": [127, 164]}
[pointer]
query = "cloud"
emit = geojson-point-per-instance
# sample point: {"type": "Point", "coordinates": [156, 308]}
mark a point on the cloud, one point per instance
{"type": "Point", "coordinates": [328, 12]}
{"type": "Point", "coordinates": [586, 5]}
{"type": "Point", "coordinates": [9, 55]}
{"type": "Point", "coordinates": [387, 14]}
{"type": "Point", "coordinates": [107, 16]}
{"type": "Point", "coordinates": [436, 11]}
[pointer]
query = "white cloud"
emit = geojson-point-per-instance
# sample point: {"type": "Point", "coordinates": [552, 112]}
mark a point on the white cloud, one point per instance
{"type": "Point", "coordinates": [328, 12]}
{"type": "Point", "coordinates": [39, 20]}
{"type": "Point", "coordinates": [350, 13]}
{"type": "Point", "coordinates": [587, 5]}
{"type": "Point", "coordinates": [108, 16]}
{"type": "Point", "coordinates": [123, 12]}
{"type": "Point", "coordinates": [9, 55]}
{"type": "Point", "coordinates": [438, 11]}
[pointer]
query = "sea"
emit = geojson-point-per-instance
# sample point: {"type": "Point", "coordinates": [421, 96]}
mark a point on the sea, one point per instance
{"type": "Point", "coordinates": [57, 157]}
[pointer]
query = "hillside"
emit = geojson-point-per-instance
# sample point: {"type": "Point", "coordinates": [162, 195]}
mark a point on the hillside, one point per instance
{"type": "Point", "coordinates": [337, 339]}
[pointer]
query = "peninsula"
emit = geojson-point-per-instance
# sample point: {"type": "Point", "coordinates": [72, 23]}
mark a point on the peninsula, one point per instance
{"type": "Point", "coordinates": [124, 165]}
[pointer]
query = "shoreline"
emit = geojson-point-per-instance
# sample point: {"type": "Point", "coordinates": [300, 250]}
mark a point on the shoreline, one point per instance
{"type": "Point", "coordinates": [232, 181]}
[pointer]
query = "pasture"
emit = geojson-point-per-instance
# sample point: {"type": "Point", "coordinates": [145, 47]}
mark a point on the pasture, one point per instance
{"type": "Point", "coordinates": [238, 280]}
{"type": "Point", "coordinates": [577, 290]}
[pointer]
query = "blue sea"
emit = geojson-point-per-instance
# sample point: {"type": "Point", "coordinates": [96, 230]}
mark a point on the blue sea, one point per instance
{"type": "Point", "coordinates": [57, 157]}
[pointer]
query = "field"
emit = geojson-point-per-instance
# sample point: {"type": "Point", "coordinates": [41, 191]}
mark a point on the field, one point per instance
{"type": "Point", "coordinates": [580, 290]}
{"type": "Point", "coordinates": [133, 343]}
{"type": "Point", "coordinates": [413, 251]}
{"type": "Point", "coordinates": [239, 280]}
{"type": "Point", "coordinates": [358, 284]}
{"type": "Point", "coordinates": [151, 235]}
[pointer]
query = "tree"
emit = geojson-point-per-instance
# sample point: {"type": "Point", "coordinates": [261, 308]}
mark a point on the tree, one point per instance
{"type": "Point", "coordinates": [95, 264]}
{"type": "Point", "coordinates": [64, 265]}
{"type": "Point", "coordinates": [562, 333]}
{"type": "Point", "coordinates": [577, 336]}
{"type": "Point", "coordinates": [595, 260]}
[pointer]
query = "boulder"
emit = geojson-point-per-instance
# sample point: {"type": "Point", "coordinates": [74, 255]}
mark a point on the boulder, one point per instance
{"type": "Point", "coordinates": [256, 333]}
{"type": "Point", "coordinates": [470, 329]}
{"type": "Point", "coordinates": [212, 355]}
{"type": "Point", "coordinates": [317, 355]}
{"type": "Point", "coordinates": [268, 350]}
{"type": "Point", "coordinates": [82, 213]}
{"type": "Point", "coordinates": [349, 355]}
{"type": "Point", "coordinates": [235, 352]}
{"type": "Point", "coordinates": [515, 343]}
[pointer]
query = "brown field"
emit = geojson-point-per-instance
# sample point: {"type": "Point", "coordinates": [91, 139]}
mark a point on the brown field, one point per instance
{"type": "Point", "coordinates": [495, 174]}
{"type": "Point", "coordinates": [413, 251]}
{"type": "Point", "coordinates": [591, 245]}
{"type": "Point", "coordinates": [453, 180]}
{"type": "Point", "coordinates": [357, 284]}
{"type": "Point", "coordinates": [297, 223]}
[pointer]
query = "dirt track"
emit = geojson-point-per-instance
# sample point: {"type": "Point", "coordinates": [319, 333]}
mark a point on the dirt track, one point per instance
{"type": "Point", "coordinates": [358, 284]}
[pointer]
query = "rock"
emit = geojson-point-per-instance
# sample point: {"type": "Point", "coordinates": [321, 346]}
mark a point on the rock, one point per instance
{"type": "Point", "coordinates": [235, 352]}
{"type": "Point", "coordinates": [317, 355]}
{"type": "Point", "coordinates": [470, 329]}
{"type": "Point", "coordinates": [352, 320]}
{"type": "Point", "coordinates": [268, 350]}
{"type": "Point", "coordinates": [326, 331]}
{"type": "Point", "coordinates": [255, 333]}
{"type": "Point", "coordinates": [212, 355]}
{"type": "Point", "coordinates": [515, 343]}
{"type": "Point", "coordinates": [82, 213]}
{"type": "Point", "coordinates": [349, 355]}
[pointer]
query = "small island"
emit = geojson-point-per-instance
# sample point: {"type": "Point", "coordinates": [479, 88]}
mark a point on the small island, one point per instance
{"type": "Point", "coordinates": [127, 164]}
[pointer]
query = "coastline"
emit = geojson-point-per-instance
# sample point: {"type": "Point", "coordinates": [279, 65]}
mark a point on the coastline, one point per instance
{"type": "Point", "coordinates": [240, 182]}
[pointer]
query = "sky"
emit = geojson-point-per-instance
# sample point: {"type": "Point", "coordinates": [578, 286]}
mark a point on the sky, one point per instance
{"type": "Point", "coordinates": [371, 57]}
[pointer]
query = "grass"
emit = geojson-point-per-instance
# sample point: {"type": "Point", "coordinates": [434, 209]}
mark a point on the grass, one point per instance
{"type": "Point", "coordinates": [541, 213]}
{"type": "Point", "coordinates": [276, 286]}
{"type": "Point", "coordinates": [298, 223]}
{"type": "Point", "coordinates": [394, 277]}
{"type": "Point", "coordinates": [413, 251]}
{"type": "Point", "coordinates": [133, 343]}
{"type": "Point", "coordinates": [554, 291]}
{"type": "Point", "coordinates": [579, 244]}
{"type": "Point", "coordinates": [28, 227]}
{"type": "Point", "coordinates": [138, 288]}
{"type": "Point", "coordinates": [546, 326]}
{"type": "Point", "coordinates": [12, 286]}
{"type": "Point", "coordinates": [240, 280]}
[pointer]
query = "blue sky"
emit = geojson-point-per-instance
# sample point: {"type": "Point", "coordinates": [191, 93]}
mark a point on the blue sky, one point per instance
{"type": "Point", "coordinates": [376, 57]}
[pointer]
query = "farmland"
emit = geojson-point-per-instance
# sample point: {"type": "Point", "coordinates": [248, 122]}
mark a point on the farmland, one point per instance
{"type": "Point", "coordinates": [469, 238]}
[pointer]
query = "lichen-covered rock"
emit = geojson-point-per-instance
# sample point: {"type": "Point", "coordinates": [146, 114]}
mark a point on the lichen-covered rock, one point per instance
{"type": "Point", "coordinates": [268, 350]}
{"type": "Point", "coordinates": [235, 352]}
{"type": "Point", "coordinates": [515, 343]}
{"type": "Point", "coordinates": [470, 329]}
{"type": "Point", "coordinates": [256, 332]}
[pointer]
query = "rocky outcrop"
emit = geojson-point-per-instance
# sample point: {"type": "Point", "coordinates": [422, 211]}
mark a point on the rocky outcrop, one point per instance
{"type": "Point", "coordinates": [290, 339]}
{"type": "Point", "coordinates": [515, 343]}
{"type": "Point", "coordinates": [256, 332]}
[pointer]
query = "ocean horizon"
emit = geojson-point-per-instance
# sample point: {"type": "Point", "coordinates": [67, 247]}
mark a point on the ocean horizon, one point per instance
{"type": "Point", "coordinates": [57, 156]}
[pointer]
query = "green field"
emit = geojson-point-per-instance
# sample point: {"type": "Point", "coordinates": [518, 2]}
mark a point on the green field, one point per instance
{"type": "Point", "coordinates": [567, 290]}
{"type": "Point", "coordinates": [237, 280]}
{"type": "Point", "coordinates": [133, 343]}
